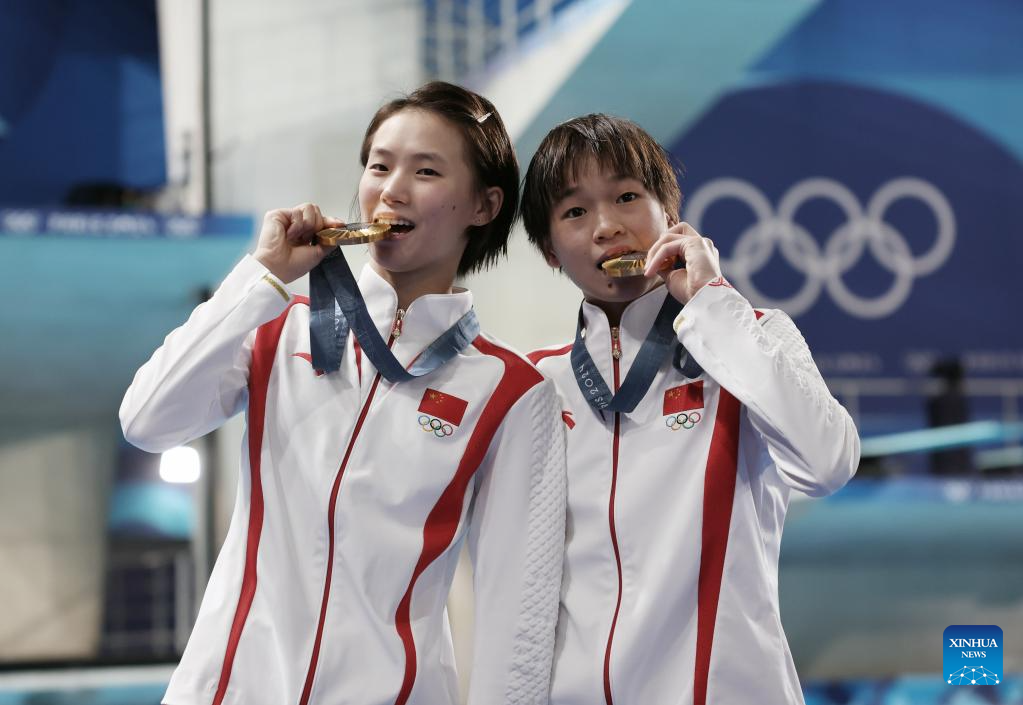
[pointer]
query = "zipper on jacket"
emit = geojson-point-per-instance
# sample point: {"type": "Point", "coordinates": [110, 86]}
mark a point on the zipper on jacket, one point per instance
{"type": "Point", "coordinates": [399, 316]}
{"type": "Point", "coordinates": [616, 354]}
{"type": "Point", "coordinates": [334, 493]}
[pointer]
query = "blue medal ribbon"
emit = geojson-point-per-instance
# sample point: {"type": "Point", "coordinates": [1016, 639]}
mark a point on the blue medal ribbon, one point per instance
{"type": "Point", "coordinates": [684, 363]}
{"type": "Point", "coordinates": [659, 342]}
{"type": "Point", "coordinates": [337, 306]}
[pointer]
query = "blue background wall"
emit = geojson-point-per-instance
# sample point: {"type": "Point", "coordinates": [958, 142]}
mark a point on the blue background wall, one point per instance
{"type": "Point", "coordinates": [80, 98]}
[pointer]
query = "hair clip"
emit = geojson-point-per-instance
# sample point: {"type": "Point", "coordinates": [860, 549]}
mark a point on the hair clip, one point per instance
{"type": "Point", "coordinates": [483, 118]}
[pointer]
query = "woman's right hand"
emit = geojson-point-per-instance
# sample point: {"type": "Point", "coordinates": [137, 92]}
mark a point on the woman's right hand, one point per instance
{"type": "Point", "coordinates": [284, 241]}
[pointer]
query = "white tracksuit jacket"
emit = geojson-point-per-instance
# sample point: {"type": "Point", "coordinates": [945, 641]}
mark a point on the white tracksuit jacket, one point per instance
{"type": "Point", "coordinates": [670, 589]}
{"type": "Point", "coordinates": [354, 498]}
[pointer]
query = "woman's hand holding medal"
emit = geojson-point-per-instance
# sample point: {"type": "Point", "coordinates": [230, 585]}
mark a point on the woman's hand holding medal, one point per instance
{"type": "Point", "coordinates": [287, 245]}
{"type": "Point", "coordinates": [700, 258]}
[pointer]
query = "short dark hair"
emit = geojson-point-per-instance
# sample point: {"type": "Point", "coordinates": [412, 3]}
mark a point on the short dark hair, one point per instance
{"type": "Point", "coordinates": [489, 152]}
{"type": "Point", "coordinates": [619, 146]}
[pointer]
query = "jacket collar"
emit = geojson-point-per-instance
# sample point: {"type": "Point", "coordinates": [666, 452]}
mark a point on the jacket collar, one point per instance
{"type": "Point", "coordinates": [426, 318]}
{"type": "Point", "coordinates": [635, 323]}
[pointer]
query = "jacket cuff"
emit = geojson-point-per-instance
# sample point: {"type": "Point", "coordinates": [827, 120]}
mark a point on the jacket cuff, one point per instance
{"type": "Point", "coordinates": [708, 297]}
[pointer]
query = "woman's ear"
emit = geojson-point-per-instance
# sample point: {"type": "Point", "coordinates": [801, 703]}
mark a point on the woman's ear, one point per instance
{"type": "Point", "coordinates": [489, 205]}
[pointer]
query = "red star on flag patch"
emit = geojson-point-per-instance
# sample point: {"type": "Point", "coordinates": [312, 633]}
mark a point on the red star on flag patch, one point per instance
{"type": "Point", "coordinates": [444, 406]}
{"type": "Point", "coordinates": [683, 398]}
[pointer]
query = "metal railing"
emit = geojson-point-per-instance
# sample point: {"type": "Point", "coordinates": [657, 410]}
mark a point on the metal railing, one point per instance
{"type": "Point", "coordinates": [852, 390]}
{"type": "Point", "coordinates": [149, 602]}
{"type": "Point", "coordinates": [855, 393]}
{"type": "Point", "coordinates": [461, 36]}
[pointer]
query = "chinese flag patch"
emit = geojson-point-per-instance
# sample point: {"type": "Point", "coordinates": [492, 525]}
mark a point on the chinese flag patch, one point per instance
{"type": "Point", "coordinates": [683, 398]}
{"type": "Point", "coordinates": [443, 406]}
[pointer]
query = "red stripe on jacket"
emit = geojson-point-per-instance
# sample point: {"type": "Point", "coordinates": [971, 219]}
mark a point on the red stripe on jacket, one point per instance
{"type": "Point", "coordinates": [268, 336]}
{"type": "Point", "coordinates": [718, 494]}
{"type": "Point", "coordinates": [442, 522]}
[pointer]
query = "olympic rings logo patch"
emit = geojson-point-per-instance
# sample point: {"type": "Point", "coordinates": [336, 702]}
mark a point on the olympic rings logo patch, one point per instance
{"type": "Point", "coordinates": [685, 419]}
{"type": "Point", "coordinates": [864, 230]}
{"type": "Point", "coordinates": [436, 426]}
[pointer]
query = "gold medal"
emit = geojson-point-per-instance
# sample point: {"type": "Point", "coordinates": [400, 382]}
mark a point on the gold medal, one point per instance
{"type": "Point", "coordinates": [353, 234]}
{"type": "Point", "coordinates": [630, 265]}
{"type": "Point", "coordinates": [634, 265]}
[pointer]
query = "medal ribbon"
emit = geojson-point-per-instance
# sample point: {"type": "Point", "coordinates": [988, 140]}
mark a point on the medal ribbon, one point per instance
{"type": "Point", "coordinates": [337, 306]}
{"type": "Point", "coordinates": [660, 341]}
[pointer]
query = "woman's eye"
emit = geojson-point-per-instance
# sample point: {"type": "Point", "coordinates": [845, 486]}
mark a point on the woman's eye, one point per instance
{"type": "Point", "coordinates": [377, 167]}
{"type": "Point", "coordinates": [628, 196]}
{"type": "Point", "coordinates": [426, 171]}
{"type": "Point", "coordinates": [574, 212]}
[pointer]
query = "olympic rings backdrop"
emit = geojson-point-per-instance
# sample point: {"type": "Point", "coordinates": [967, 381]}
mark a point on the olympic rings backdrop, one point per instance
{"type": "Point", "coordinates": [886, 237]}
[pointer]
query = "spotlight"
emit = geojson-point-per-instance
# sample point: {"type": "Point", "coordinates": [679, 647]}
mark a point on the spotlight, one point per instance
{"type": "Point", "coordinates": [180, 465]}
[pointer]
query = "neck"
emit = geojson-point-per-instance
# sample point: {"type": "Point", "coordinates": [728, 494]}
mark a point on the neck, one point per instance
{"type": "Point", "coordinates": [411, 285]}
{"type": "Point", "coordinates": [612, 309]}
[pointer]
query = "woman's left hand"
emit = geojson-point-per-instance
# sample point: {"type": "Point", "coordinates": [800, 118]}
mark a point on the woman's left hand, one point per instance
{"type": "Point", "coordinates": [699, 254]}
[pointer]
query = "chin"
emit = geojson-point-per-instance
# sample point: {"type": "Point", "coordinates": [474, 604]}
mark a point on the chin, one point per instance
{"type": "Point", "coordinates": [623, 290]}
{"type": "Point", "coordinates": [388, 258]}
{"type": "Point", "coordinates": [608, 296]}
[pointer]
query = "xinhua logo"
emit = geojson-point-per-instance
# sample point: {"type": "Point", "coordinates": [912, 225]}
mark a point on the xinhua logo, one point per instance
{"type": "Point", "coordinates": [973, 655]}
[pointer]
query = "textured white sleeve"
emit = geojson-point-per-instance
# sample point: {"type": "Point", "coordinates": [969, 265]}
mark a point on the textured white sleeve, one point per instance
{"type": "Point", "coordinates": [197, 379]}
{"type": "Point", "coordinates": [767, 366]}
{"type": "Point", "coordinates": [517, 543]}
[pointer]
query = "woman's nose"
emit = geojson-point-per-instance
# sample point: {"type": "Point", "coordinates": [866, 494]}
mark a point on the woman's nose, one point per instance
{"type": "Point", "coordinates": [395, 189]}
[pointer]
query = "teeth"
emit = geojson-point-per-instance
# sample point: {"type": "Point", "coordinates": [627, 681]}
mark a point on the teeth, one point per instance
{"type": "Point", "coordinates": [626, 253]}
{"type": "Point", "coordinates": [396, 221]}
